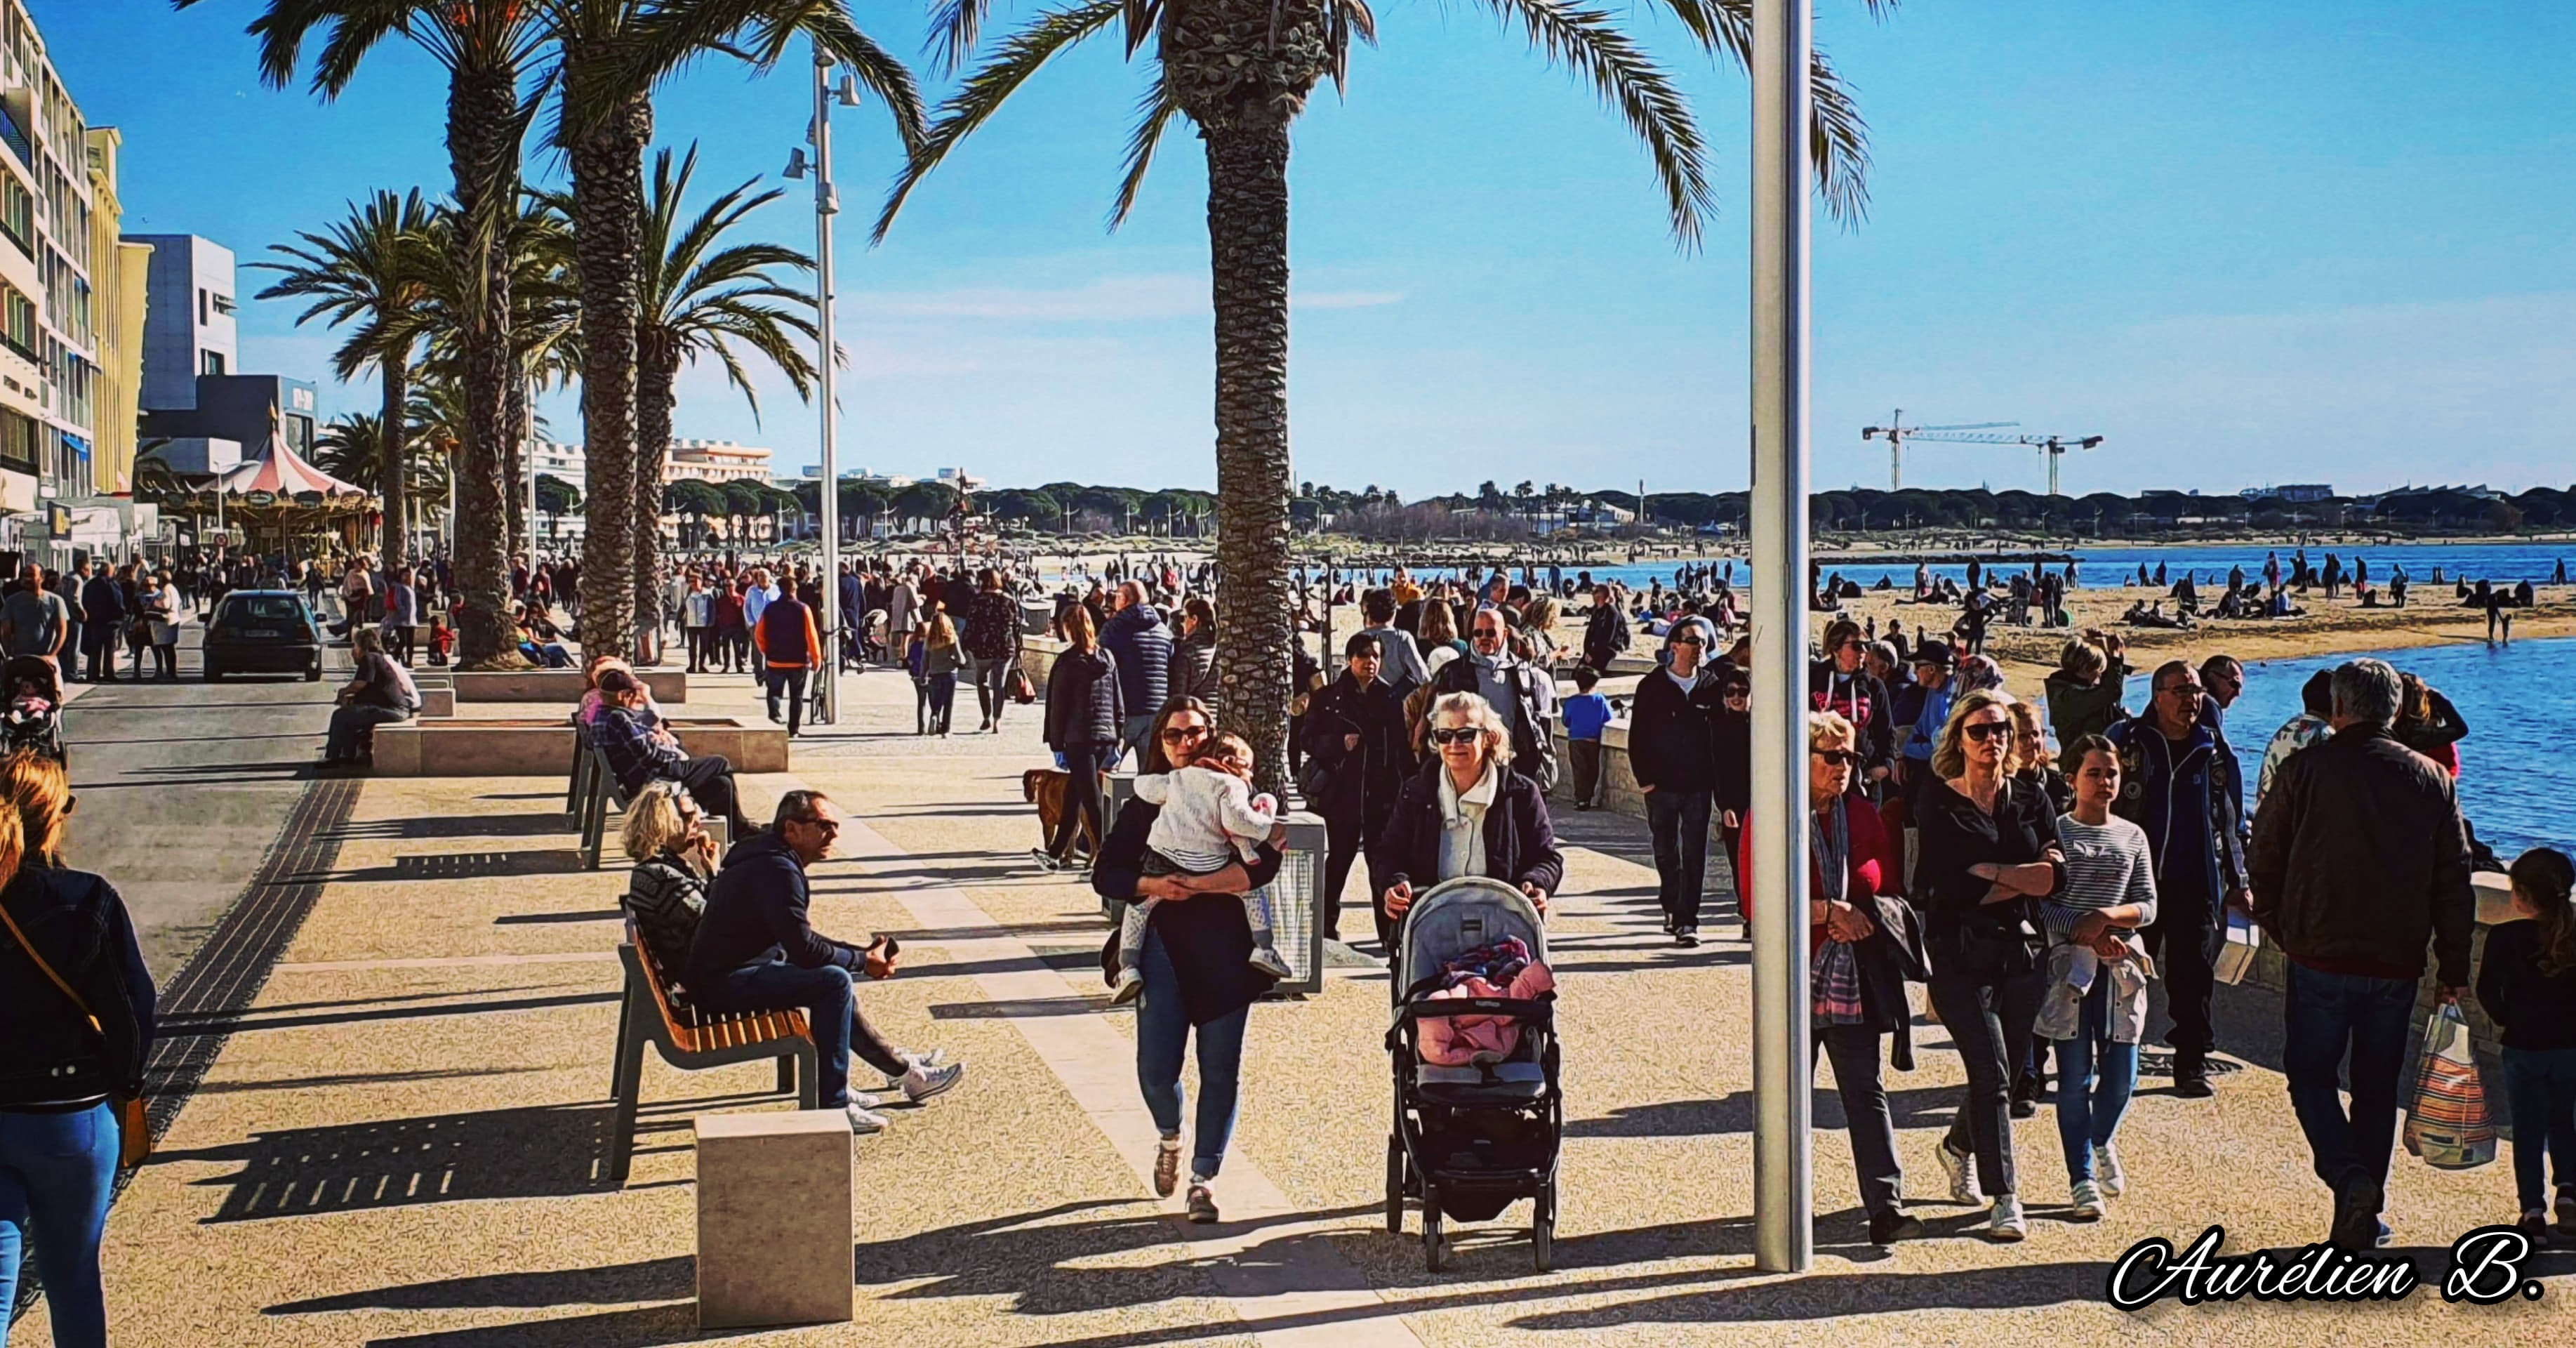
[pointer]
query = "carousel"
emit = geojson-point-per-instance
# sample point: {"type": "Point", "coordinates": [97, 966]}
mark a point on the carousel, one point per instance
{"type": "Point", "coordinates": [279, 503]}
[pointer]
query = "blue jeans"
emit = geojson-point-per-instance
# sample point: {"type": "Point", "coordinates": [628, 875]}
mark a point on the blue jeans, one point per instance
{"type": "Point", "coordinates": [56, 1174]}
{"type": "Point", "coordinates": [1132, 737]}
{"type": "Point", "coordinates": [1677, 821]}
{"type": "Point", "coordinates": [1162, 1031]}
{"type": "Point", "coordinates": [2323, 1016]}
{"type": "Point", "coordinates": [2540, 1087]}
{"type": "Point", "coordinates": [831, 1007]}
{"type": "Point", "coordinates": [2087, 1113]}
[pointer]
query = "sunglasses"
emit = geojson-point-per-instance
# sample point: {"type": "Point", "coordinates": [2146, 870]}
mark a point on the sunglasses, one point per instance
{"type": "Point", "coordinates": [1465, 734]}
{"type": "Point", "coordinates": [828, 826]}
{"type": "Point", "coordinates": [1837, 758]}
{"type": "Point", "coordinates": [1180, 733]}
{"type": "Point", "coordinates": [1987, 730]}
{"type": "Point", "coordinates": [1688, 641]}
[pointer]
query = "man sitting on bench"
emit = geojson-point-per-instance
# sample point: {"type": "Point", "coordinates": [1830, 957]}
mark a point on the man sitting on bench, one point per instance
{"type": "Point", "coordinates": [640, 751]}
{"type": "Point", "coordinates": [755, 951]}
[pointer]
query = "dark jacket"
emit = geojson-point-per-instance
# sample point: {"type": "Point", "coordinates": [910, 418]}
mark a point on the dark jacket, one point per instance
{"type": "Point", "coordinates": [2360, 856]}
{"type": "Point", "coordinates": [666, 898]}
{"type": "Point", "coordinates": [2076, 710]}
{"type": "Point", "coordinates": [1365, 781]}
{"type": "Point", "coordinates": [992, 625]}
{"type": "Point", "coordinates": [2190, 799]}
{"type": "Point", "coordinates": [1605, 634]}
{"type": "Point", "coordinates": [1520, 842]}
{"type": "Point", "coordinates": [48, 1053]}
{"type": "Point", "coordinates": [1193, 670]}
{"type": "Point", "coordinates": [1533, 721]}
{"type": "Point", "coordinates": [1084, 702]}
{"type": "Point", "coordinates": [1142, 641]}
{"type": "Point", "coordinates": [1965, 936]}
{"type": "Point", "coordinates": [1733, 733]}
{"type": "Point", "coordinates": [104, 601]}
{"type": "Point", "coordinates": [1860, 698]}
{"type": "Point", "coordinates": [2537, 1011]}
{"type": "Point", "coordinates": [1207, 938]}
{"type": "Point", "coordinates": [1672, 732]}
{"type": "Point", "coordinates": [756, 915]}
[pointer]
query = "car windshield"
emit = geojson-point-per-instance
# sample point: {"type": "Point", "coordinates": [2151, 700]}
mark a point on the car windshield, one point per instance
{"type": "Point", "coordinates": [248, 609]}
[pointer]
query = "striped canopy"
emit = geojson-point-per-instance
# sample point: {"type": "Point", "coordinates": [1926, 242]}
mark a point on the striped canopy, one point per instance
{"type": "Point", "coordinates": [283, 472]}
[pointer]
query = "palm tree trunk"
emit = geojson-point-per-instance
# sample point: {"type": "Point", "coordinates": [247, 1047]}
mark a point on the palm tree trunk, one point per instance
{"type": "Point", "coordinates": [393, 483]}
{"type": "Point", "coordinates": [657, 369]}
{"type": "Point", "coordinates": [1247, 217]}
{"type": "Point", "coordinates": [483, 155]}
{"type": "Point", "coordinates": [608, 215]}
{"type": "Point", "coordinates": [521, 416]}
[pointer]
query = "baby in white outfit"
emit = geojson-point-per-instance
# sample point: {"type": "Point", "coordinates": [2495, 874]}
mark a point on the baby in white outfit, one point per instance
{"type": "Point", "coordinates": [1210, 819]}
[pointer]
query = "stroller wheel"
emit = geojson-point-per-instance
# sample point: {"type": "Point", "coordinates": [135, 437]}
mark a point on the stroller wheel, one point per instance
{"type": "Point", "coordinates": [1431, 1249]}
{"type": "Point", "coordinates": [1394, 1186]}
{"type": "Point", "coordinates": [1543, 1229]}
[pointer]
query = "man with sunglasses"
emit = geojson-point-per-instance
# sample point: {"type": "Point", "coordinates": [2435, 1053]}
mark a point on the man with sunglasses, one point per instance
{"type": "Point", "coordinates": [1523, 696]}
{"type": "Point", "coordinates": [1672, 749]}
{"type": "Point", "coordinates": [2181, 783]}
{"type": "Point", "coordinates": [755, 951]}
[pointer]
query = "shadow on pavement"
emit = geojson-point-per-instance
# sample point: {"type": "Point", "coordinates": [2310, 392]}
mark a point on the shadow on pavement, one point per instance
{"type": "Point", "coordinates": [539, 1152]}
{"type": "Point", "coordinates": [1914, 1107]}
{"type": "Point", "coordinates": [238, 1025]}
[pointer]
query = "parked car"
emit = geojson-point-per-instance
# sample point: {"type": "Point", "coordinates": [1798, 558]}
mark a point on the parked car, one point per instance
{"type": "Point", "coordinates": [263, 632]}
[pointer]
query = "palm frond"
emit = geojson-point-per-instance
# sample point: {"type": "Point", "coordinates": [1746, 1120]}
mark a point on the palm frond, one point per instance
{"type": "Point", "coordinates": [1839, 141]}
{"type": "Point", "coordinates": [1587, 42]}
{"type": "Point", "coordinates": [984, 92]}
{"type": "Point", "coordinates": [1154, 112]}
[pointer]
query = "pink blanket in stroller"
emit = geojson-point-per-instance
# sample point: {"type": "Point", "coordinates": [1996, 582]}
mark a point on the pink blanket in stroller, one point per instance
{"type": "Point", "coordinates": [1463, 1041]}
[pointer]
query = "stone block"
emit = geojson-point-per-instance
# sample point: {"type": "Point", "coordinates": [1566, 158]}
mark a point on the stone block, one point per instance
{"type": "Point", "coordinates": [774, 1228]}
{"type": "Point", "coordinates": [437, 701]}
{"type": "Point", "coordinates": [556, 685]}
{"type": "Point", "coordinates": [476, 747]}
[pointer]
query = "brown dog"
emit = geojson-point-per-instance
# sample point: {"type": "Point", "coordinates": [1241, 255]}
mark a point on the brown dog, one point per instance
{"type": "Point", "coordinates": [1045, 788]}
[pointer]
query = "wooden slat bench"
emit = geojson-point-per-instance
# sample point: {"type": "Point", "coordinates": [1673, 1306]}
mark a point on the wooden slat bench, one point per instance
{"type": "Point", "coordinates": [691, 1039]}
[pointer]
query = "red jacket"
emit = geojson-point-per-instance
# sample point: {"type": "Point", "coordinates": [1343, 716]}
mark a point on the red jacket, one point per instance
{"type": "Point", "coordinates": [1873, 867]}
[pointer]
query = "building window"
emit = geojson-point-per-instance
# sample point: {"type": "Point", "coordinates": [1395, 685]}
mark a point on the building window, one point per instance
{"type": "Point", "coordinates": [224, 305]}
{"type": "Point", "coordinates": [17, 441]}
{"type": "Point", "coordinates": [202, 317]}
{"type": "Point", "coordinates": [18, 215]}
{"type": "Point", "coordinates": [212, 361]}
{"type": "Point", "coordinates": [299, 434]}
{"type": "Point", "coordinates": [20, 317]}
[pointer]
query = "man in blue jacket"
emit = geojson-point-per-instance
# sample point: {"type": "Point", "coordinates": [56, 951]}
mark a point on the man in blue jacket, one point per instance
{"type": "Point", "coordinates": [1141, 642]}
{"type": "Point", "coordinates": [2180, 782]}
{"type": "Point", "coordinates": [104, 610]}
{"type": "Point", "coordinates": [755, 951]}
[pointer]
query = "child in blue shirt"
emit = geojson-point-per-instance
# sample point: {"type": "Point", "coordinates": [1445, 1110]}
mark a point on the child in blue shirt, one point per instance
{"type": "Point", "coordinates": [1585, 714]}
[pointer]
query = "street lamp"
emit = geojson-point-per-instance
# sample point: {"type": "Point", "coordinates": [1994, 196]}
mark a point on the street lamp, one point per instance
{"type": "Point", "coordinates": [827, 203]}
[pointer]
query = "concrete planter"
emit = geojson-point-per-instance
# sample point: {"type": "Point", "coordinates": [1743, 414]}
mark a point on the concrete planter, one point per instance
{"type": "Point", "coordinates": [556, 685]}
{"type": "Point", "coordinates": [543, 748]}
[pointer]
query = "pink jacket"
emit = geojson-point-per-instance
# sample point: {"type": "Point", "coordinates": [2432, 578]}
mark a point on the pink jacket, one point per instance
{"type": "Point", "coordinates": [1463, 1041]}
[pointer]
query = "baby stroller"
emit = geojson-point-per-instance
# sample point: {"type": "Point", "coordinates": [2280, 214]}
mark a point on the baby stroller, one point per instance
{"type": "Point", "coordinates": [1470, 1140]}
{"type": "Point", "coordinates": [33, 719]}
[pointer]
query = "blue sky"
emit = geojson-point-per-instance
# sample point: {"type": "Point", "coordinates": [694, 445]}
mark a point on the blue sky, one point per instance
{"type": "Point", "coordinates": [2303, 240]}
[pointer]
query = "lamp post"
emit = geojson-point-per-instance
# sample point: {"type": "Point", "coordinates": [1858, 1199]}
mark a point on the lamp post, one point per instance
{"type": "Point", "coordinates": [827, 203]}
{"type": "Point", "coordinates": [1783, 1159]}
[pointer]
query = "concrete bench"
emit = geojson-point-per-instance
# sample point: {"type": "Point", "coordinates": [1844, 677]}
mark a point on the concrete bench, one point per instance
{"type": "Point", "coordinates": [556, 685]}
{"type": "Point", "coordinates": [774, 1225]}
{"type": "Point", "coordinates": [691, 1040]}
{"type": "Point", "coordinates": [463, 747]}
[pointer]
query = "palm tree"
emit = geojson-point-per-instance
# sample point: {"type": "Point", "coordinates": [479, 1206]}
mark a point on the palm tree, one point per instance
{"type": "Point", "coordinates": [703, 297]}
{"type": "Point", "coordinates": [610, 54]}
{"type": "Point", "coordinates": [1241, 71]}
{"type": "Point", "coordinates": [485, 46]}
{"type": "Point", "coordinates": [372, 270]}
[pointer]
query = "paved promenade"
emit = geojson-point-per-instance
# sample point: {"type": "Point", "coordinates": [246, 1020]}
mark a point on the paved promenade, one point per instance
{"type": "Point", "coordinates": [404, 1140]}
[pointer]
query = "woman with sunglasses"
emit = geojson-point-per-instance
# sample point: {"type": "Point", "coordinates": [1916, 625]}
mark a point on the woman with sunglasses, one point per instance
{"type": "Point", "coordinates": [1988, 854]}
{"type": "Point", "coordinates": [1465, 813]}
{"type": "Point", "coordinates": [1863, 944]}
{"type": "Point", "coordinates": [1198, 977]}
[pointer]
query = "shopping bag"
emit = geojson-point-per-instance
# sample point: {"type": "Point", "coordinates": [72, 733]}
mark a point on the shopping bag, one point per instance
{"type": "Point", "coordinates": [1022, 691]}
{"type": "Point", "coordinates": [2236, 955]}
{"type": "Point", "coordinates": [2447, 1124]}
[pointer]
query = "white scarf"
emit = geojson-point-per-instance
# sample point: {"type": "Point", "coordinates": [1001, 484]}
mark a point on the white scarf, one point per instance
{"type": "Point", "coordinates": [1462, 820]}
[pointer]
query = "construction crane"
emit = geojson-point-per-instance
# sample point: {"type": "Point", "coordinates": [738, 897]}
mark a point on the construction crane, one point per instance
{"type": "Point", "coordinates": [2054, 447]}
{"type": "Point", "coordinates": [1897, 433]}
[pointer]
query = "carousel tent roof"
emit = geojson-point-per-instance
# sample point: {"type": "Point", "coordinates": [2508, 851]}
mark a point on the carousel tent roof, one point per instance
{"type": "Point", "coordinates": [284, 472]}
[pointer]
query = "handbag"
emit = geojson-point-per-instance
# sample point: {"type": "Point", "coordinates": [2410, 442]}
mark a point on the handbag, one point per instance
{"type": "Point", "coordinates": [2447, 1123]}
{"type": "Point", "coordinates": [1023, 692]}
{"type": "Point", "coordinates": [134, 1123]}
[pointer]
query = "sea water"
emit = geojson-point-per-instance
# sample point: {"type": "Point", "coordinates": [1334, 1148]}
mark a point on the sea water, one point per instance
{"type": "Point", "coordinates": [2519, 700]}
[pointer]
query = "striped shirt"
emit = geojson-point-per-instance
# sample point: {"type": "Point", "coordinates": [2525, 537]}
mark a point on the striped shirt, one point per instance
{"type": "Point", "coordinates": [2106, 866]}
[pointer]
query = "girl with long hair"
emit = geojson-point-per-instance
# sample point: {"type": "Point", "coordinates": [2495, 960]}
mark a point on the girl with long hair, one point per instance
{"type": "Point", "coordinates": [2527, 983]}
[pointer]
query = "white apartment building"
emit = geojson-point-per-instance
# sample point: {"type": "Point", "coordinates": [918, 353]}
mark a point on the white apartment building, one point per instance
{"type": "Point", "coordinates": [48, 353]}
{"type": "Point", "coordinates": [716, 461]}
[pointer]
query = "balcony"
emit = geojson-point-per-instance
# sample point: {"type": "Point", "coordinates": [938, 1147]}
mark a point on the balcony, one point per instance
{"type": "Point", "coordinates": [16, 136]}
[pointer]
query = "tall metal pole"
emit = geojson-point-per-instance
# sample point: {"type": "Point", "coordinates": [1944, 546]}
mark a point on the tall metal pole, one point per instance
{"type": "Point", "coordinates": [826, 205]}
{"type": "Point", "coordinates": [1783, 1160]}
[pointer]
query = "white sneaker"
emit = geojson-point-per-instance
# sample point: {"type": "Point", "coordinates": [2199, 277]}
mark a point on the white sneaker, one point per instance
{"type": "Point", "coordinates": [1131, 985]}
{"type": "Point", "coordinates": [935, 1058]}
{"type": "Point", "coordinates": [2107, 1171]}
{"type": "Point", "coordinates": [2005, 1223]}
{"type": "Point", "coordinates": [866, 1101]}
{"type": "Point", "coordinates": [1962, 1171]}
{"type": "Point", "coordinates": [861, 1121]}
{"type": "Point", "coordinates": [2088, 1201]}
{"type": "Point", "coordinates": [1268, 961]}
{"type": "Point", "coordinates": [921, 1083]}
